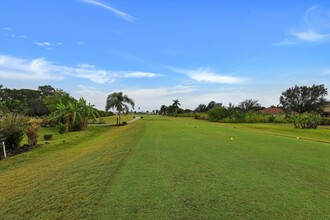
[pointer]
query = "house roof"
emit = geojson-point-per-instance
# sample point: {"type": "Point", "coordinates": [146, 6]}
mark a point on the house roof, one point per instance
{"type": "Point", "coordinates": [272, 111]}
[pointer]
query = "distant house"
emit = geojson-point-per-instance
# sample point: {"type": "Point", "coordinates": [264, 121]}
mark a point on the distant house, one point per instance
{"type": "Point", "coordinates": [272, 111]}
{"type": "Point", "coordinates": [326, 111]}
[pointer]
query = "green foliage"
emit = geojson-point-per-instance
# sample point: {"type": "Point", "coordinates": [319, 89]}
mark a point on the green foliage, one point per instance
{"type": "Point", "coordinates": [304, 99]}
{"type": "Point", "coordinates": [249, 105]}
{"type": "Point", "coordinates": [48, 137]}
{"type": "Point", "coordinates": [12, 129]}
{"type": "Point", "coordinates": [75, 114]}
{"type": "Point", "coordinates": [62, 128]}
{"type": "Point", "coordinates": [325, 121]}
{"type": "Point", "coordinates": [307, 120]}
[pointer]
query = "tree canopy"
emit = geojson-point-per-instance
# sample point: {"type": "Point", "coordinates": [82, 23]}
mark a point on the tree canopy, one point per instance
{"type": "Point", "coordinates": [304, 99]}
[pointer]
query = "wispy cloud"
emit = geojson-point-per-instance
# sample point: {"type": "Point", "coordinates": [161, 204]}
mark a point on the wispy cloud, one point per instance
{"type": "Point", "coordinates": [315, 28]}
{"type": "Point", "coordinates": [312, 36]}
{"type": "Point", "coordinates": [118, 13]}
{"type": "Point", "coordinates": [41, 69]}
{"type": "Point", "coordinates": [7, 29]}
{"type": "Point", "coordinates": [22, 69]}
{"type": "Point", "coordinates": [43, 44]}
{"type": "Point", "coordinates": [136, 75]}
{"type": "Point", "coordinates": [206, 75]}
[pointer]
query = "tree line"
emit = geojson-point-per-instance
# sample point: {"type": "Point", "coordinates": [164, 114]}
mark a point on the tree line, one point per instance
{"type": "Point", "coordinates": [302, 106]}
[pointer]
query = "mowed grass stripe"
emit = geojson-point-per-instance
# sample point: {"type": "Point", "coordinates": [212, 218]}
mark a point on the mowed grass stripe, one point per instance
{"type": "Point", "coordinates": [187, 169]}
{"type": "Point", "coordinates": [66, 183]}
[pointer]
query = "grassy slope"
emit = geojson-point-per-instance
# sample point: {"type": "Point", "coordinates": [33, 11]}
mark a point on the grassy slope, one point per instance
{"type": "Point", "coordinates": [166, 168]}
{"type": "Point", "coordinates": [178, 171]}
{"type": "Point", "coordinates": [65, 180]}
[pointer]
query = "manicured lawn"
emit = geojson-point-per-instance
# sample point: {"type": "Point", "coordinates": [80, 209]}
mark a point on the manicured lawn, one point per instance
{"type": "Point", "coordinates": [172, 168]}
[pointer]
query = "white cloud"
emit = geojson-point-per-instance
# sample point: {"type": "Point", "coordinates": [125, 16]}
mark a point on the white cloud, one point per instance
{"type": "Point", "coordinates": [21, 69]}
{"type": "Point", "coordinates": [205, 75]}
{"type": "Point", "coordinates": [7, 29]}
{"type": "Point", "coordinates": [311, 36]}
{"type": "Point", "coordinates": [120, 14]}
{"type": "Point", "coordinates": [315, 28]}
{"type": "Point", "coordinates": [136, 75]}
{"type": "Point", "coordinates": [41, 69]}
{"type": "Point", "coordinates": [43, 44]}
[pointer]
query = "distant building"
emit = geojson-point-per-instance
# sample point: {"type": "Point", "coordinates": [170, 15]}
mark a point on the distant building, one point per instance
{"type": "Point", "coordinates": [272, 111]}
{"type": "Point", "coordinates": [326, 111]}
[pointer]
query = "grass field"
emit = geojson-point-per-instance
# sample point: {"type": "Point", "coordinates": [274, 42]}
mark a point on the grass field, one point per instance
{"type": "Point", "coordinates": [172, 168]}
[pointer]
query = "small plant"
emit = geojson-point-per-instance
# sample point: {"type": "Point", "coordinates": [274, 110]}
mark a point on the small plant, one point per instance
{"type": "Point", "coordinates": [124, 123]}
{"type": "Point", "coordinates": [48, 137]}
{"type": "Point", "coordinates": [31, 130]}
{"type": "Point", "coordinates": [62, 128]}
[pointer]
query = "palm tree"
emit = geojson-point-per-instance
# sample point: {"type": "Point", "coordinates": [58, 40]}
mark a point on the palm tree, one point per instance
{"type": "Point", "coordinates": [117, 100]}
{"type": "Point", "coordinates": [176, 105]}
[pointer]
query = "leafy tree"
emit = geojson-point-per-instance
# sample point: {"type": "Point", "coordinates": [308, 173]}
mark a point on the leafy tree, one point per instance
{"type": "Point", "coordinates": [117, 101]}
{"type": "Point", "coordinates": [304, 99]}
{"type": "Point", "coordinates": [46, 90]}
{"type": "Point", "coordinates": [65, 114]}
{"type": "Point", "coordinates": [58, 96]}
{"type": "Point", "coordinates": [201, 108]}
{"type": "Point", "coordinates": [213, 104]}
{"type": "Point", "coordinates": [86, 112]}
{"type": "Point", "coordinates": [175, 105]}
{"type": "Point", "coordinates": [249, 105]}
{"type": "Point", "coordinates": [163, 110]}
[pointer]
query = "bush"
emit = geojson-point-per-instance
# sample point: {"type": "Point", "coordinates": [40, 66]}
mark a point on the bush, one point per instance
{"type": "Point", "coordinates": [325, 121]}
{"type": "Point", "coordinates": [31, 130]}
{"type": "Point", "coordinates": [306, 120]}
{"type": "Point", "coordinates": [12, 130]}
{"type": "Point", "coordinates": [124, 123]}
{"type": "Point", "coordinates": [62, 128]}
{"type": "Point", "coordinates": [45, 122]}
{"type": "Point", "coordinates": [48, 137]}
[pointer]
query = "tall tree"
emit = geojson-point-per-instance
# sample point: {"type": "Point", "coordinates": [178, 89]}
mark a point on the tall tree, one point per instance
{"type": "Point", "coordinates": [304, 99]}
{"type": "Point", "coordinates": [176, 104]}
{"type": "Point", "coordinates": [249, 104]}
{"type": "Point", "coordinates": [201, 108]}
{"type": "Point", "coordinates": [117, 101]}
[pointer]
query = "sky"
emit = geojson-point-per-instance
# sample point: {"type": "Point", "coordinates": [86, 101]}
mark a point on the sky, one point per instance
{"type": "Point", "coordinates": [195, 51]}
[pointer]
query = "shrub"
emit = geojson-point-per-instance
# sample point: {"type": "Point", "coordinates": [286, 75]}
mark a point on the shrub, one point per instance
{"type": "Point", "coordinates": [124, 123]}
{"type": "Point", "coordinates": [62, 128]}
{"type": "Point", "coordinates": [12, 130]}
{"type": "Point", "coordinates": [325, 121]}
{"type": "Point", "coordinates": [48, 137]}
{"type": "Point", "coordinates": [31, 130]}
{"type": "Point", "coordinates": [101, 121]}
{"type": "Point", "coordinates": [306, 120]}
{"type": "Point", "coordinates": [45, 122]}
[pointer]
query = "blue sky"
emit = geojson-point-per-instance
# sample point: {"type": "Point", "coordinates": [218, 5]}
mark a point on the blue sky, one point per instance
{"type": "Point", "coordinates": [196, 51]}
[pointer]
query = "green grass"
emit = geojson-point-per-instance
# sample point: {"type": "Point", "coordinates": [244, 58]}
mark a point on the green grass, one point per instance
{"type": "Point", "coordinates": [172, 168]}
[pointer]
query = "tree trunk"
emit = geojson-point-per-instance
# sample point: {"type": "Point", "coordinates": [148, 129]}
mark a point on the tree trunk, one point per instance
{"type": "Point", "coordinates": [119, 116]}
